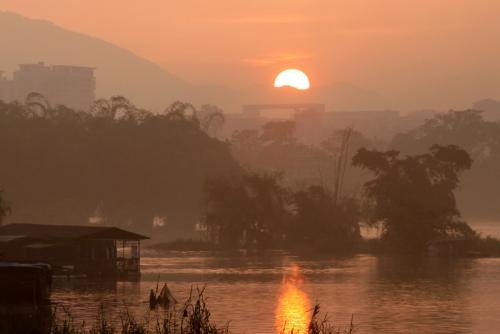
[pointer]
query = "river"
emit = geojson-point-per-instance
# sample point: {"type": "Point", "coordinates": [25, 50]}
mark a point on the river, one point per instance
{"type": "Point", "coordinates": [259, 294]}
{"type": "Point", "coordinates": [266, 293]}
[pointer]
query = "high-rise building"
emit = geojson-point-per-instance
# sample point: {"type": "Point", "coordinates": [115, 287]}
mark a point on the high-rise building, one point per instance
{"type": "Point", "coordinates": [72, 86]}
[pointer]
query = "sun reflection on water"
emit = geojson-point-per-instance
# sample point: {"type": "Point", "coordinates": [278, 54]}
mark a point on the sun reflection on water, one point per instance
{"type": "Point", "coordinates": [293, 304]}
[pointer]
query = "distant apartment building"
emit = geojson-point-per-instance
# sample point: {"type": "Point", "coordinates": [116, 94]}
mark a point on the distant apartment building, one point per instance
{"type": "Point", "coordinates": [72, 86]}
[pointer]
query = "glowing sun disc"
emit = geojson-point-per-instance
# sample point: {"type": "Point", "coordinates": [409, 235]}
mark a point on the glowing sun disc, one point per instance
{"type": "Point", "coordinates": [292, 78]}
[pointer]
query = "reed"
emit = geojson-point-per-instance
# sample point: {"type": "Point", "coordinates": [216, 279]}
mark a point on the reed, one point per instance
{"type": "Point", "coordinates": [324, 326]}
{"type": "Point", "coordinates": [193, 317]}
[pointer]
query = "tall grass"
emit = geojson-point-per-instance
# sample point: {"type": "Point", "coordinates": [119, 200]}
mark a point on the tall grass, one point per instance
{"type": "Point", "coordinates": [193, 317]}
{"type": "Point", "coordinates": [319, 325]}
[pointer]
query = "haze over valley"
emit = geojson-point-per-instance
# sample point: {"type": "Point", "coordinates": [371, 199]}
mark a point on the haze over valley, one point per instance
{"type": "Point", "coordinates": [277, 166]}
{"type": "Point", "coordinates": [389, 76]}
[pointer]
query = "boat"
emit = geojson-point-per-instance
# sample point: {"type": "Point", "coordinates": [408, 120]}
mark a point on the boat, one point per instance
{"type": "Point", "coordinates": [25, 283]}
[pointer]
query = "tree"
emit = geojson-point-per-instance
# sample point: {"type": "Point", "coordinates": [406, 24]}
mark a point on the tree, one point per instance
{"type": "Point", "coordinates": [253, 210]}
{"type": "Point", "coordinates": [464, 128]}
{"type": "Point", "coordinates": [139, 167]}
{"type": "Point", "coordinates": [36, 103]}
{"type": "Point", "coordinates": [211, 119]}
{"type": "Point", "coordinates": [340, 153]}
{"type": "Point", "coordinates": [322, 223]}
{"type": "Point", "coordinates": [4, 208]}
{"type": "Point", "coordinates": [182, 111]}
{"type": "Point", "coordinates": [338, 149]}
{"type": "Point", "coordinates": [118, 108]}
{"type": "Point", "coordinates": [246, 211]}
{"type": "Point", "coordinates": [481, 139]}
{"type": "Point", "coordinates": [413, 196]}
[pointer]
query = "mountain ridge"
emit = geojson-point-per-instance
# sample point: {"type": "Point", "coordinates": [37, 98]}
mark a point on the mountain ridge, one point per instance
{"type": "Point", "coordinates": [120, 71]}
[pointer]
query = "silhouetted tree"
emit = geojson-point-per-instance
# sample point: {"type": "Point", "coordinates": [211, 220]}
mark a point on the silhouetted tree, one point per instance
{"type": "Point", "coordinates": [481, 139]}
{"type": "Point", "coordinates": [182, 111]}
{"type": "Point", "coordinates": [211, 119]}
{"type": "Point", "coordinates": [321, 223]}
{"type": "Point", "coordinates": [464, 128]}
{"type": "Point", "coordinates": [254, 210]}
{"type": "Point", "coordinates": [118, 108]}
{"type": "Point", "coordinates": [61, 164]}
{"type": "Point", "coordinates": [274, 148]}
{"type": "Point", "coordinates": [413, 196]}
{"type": "Point", "coordinates": [338, 149]}
{"type": "Point", "coordinates": [36, 103]}
{"type": "Point", "coordinates": [247, 211]}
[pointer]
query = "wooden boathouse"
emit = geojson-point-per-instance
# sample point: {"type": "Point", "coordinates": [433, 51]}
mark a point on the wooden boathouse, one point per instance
{"type": "Point", "coordinates": [91, 250]}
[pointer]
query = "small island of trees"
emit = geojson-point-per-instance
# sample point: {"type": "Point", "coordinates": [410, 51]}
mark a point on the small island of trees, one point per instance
{"type": "Point", "coordinates": [412, 197]}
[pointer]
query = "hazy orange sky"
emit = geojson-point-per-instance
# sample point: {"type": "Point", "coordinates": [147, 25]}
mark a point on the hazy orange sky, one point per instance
{"type": "Point", "coordinates": [410, 51]}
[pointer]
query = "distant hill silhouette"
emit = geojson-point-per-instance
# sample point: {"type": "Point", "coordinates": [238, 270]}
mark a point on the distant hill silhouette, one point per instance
{"type": "Point", "coordinates": [121, 72]}
{"type": "Point", "coordinates": [118, 71]}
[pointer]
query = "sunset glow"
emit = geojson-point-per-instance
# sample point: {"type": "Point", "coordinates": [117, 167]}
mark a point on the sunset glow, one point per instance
{"type": "Point", "coordinates": [292, 78]}
{"type": "Point", "coordinates": [289, 167]}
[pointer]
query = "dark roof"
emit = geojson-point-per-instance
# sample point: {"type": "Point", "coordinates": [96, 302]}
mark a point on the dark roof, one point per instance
{"type": "Point", "coordinates": [39, 231]}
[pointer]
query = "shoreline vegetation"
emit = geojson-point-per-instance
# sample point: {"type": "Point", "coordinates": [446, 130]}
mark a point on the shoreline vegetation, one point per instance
{"type": "Point", "coordinates": [410, 197]}
{"type": "Point", "coordinates": [245, 203]}
{"type": "Point", "coordinates": [162, 317]}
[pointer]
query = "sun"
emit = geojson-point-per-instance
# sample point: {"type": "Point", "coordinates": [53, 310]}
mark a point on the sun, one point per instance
{"type": "Point", "coordinates": [292, 78]}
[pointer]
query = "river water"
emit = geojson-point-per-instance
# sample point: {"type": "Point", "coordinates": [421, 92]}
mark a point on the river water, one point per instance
{"type": "Point", "coordinates": [259, 294]}
{"type": "Point", "coordinates": [269, 292]}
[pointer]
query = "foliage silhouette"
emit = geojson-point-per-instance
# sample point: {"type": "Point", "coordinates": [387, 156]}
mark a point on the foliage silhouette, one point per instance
{"type": "Point", "coordinates": [59, 164]}
{"type": "Point", "coordinates": [256, 211]}
{"type": "Point", "coordinates": [211, 119]}
{"type": "Point", "coordinates": [323, 224]}
{"type": "Point", "coordinates": [481, 139]}
{"type": "Point", "coordinates": [413, 195]}
{"type": "Point", "coordinates": [246, 211]}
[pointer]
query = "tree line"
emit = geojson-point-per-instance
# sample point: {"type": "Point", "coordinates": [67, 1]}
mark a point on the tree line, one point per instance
{"type": "Point", "coordinates": [411, 197]}
{"type": "Point", "coordinates": [126, 164]}
{"type": "Point", "coordinates": [134, 168]}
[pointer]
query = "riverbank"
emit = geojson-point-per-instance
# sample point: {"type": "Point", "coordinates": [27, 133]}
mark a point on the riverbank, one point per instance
{"type": "Point", "coordinates": [478, 247]}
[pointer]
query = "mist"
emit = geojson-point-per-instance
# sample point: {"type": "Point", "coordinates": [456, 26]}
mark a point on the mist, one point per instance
{"type": "Point", "coordinates": [249, 167]}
